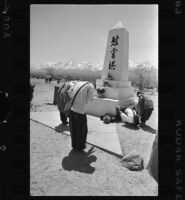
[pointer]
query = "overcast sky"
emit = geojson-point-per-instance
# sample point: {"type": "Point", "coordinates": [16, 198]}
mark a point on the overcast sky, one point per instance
{"type": "Point", "coordinates": [79, 32]}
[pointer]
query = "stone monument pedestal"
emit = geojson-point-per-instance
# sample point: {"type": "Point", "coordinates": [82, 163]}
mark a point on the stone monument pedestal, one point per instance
{"type": "Point", "coordinates": [120, 93]}
{"type": "Point", "coordinates": [100, 106]}
{"type": "Point", "coordinates": [119, 90]}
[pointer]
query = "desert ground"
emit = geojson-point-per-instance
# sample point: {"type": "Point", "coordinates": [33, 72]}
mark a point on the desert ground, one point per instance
{"type": "Point", "coordinates": [55, 170]}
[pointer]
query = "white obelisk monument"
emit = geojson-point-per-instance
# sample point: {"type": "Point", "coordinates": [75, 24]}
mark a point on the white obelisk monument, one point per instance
{"type": "Point", "coordinates": [116, 57]}
{"type": "Point", "coordinates": [119, 90]}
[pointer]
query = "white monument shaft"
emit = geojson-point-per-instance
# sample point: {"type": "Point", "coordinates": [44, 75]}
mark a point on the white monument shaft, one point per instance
{"type": "Point", "coordinates": [116, 57]}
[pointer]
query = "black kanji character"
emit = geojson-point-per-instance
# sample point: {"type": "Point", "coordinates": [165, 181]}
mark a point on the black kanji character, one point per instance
{"type": "Point", "coordinates": [112, 65]}
{"type": "Point", "coordinates": [113, 52]}
{"type": "Point", "coordinates": [114, 41]}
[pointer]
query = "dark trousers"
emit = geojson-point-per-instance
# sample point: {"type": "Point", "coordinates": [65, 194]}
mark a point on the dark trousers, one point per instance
{"type": "Point", "coordinates": [146, 115]}
{"type": "Point", "coordinates": [78, 130]}
{"type": "Point", "coordinates": [63, 118]}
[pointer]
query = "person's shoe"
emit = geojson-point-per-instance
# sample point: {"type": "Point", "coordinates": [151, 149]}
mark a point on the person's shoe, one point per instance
{"type": "Point", "coordinates": [80, 149]}
{"type": "Point", "coordinates": [142, 124]}
{"type": "Point", "coordinates": [126, 124]}
{"type": "Point", "coordinates": [84, 147]}
{"type": "Point", "coordinates": [65, 123]}
{"type": "Point", "coordinates": [77, 150]}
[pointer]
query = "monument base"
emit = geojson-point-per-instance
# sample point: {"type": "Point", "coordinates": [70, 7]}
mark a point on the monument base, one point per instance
{"type": "Point", "coordinates": [119, 93]}
{"type": "Point", "coordinates": [100, 106]}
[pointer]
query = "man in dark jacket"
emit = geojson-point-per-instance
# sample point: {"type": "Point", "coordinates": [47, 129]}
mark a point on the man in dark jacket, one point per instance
{"type": "Point", "coordinates": [62, 98]}
{"type": "Point", "coordinates": [144, 107]}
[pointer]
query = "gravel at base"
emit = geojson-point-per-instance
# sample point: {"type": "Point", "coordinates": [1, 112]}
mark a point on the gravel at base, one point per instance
{"type": "Point", "coordinates": [56, 171]}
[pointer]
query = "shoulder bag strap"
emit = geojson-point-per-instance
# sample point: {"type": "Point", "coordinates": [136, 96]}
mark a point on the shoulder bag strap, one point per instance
{"type": "Point", "coordinates": [77, 92]}
{"type": "Point", "coordinates": [133, 112]}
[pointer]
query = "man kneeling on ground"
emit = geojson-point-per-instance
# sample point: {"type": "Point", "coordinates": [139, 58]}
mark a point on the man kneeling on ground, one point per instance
{"type": "Point", "coordinates": [129, 116]}
{"type": "Point", "coordinates": [144, 107]}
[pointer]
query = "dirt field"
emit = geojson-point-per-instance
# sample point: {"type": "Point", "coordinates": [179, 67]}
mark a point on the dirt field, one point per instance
{"type": "Point", "coordinates": [58, 171]}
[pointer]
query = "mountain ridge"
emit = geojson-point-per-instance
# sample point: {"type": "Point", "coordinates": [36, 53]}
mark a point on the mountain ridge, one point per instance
{"type": "Point", "coordinates": [84, 65]}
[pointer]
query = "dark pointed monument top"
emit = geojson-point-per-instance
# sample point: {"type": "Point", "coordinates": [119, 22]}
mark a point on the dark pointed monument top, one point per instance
{"type": "Point", "coordinates": [118, 25]}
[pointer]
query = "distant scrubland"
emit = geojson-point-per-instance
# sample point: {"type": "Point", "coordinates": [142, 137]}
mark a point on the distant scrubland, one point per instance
{"type": "Point", "coordinates": [142, 76]}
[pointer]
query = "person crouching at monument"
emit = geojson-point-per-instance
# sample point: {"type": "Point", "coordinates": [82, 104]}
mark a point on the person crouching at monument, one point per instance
{"type": "Point", "coordinates": [144, 107]}
{"type": "Point", "coordinates": [62, 99]}
{"type": "Point", "coordinates": [129, 116]}
{"type": "Point", "coordinates": [77, 118]}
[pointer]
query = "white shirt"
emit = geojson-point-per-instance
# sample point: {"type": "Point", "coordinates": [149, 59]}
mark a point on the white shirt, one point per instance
{"type": "Point", "coordinates": [84, 96]}
{"type": "Point", "coordinates": [128, 116]}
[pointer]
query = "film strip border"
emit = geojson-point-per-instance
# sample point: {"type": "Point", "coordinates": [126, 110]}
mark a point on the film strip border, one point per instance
{"type": "Point", "coordinates": [15, 82]}
{"type": "Point", "coordinates": [15, 137]}
{"type": "Point", "coordinates": [171, 99]}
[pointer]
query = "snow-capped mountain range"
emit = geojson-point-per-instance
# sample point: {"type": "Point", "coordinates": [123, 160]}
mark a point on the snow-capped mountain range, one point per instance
{"type": "Point", "coordinates": [84, 65]}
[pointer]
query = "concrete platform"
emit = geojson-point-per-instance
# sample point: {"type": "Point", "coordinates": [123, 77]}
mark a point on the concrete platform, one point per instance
{"type": "Point", "coordinates": [101, 135]}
